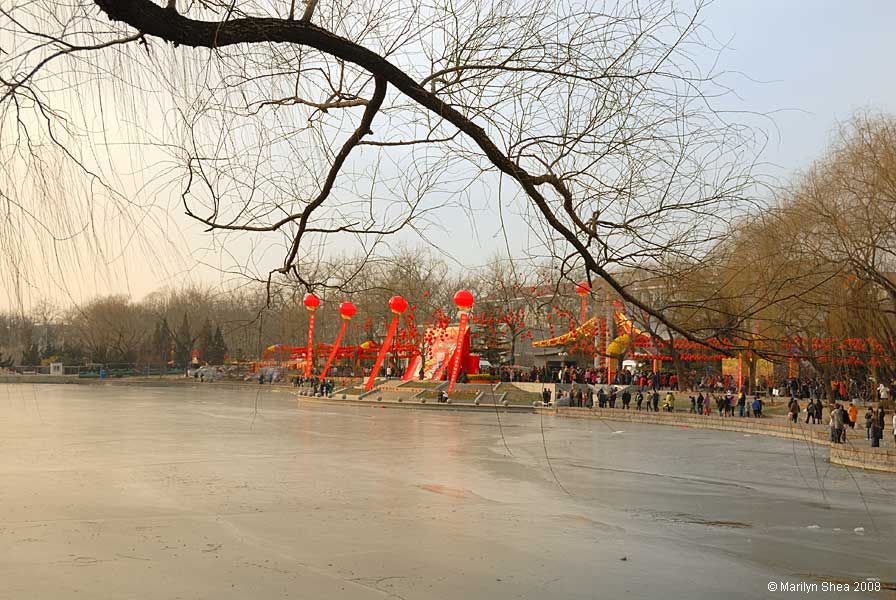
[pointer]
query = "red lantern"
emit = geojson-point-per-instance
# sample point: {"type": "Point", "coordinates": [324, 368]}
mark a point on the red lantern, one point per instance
{"type": "Point", "coordinates": [397, 304]}
{"type": "Point", "coordinates": [463, 299]}
{"type": "Point", "coordinates": [311, 302]}
{"type": "Point", "coordinates": [347, 310]}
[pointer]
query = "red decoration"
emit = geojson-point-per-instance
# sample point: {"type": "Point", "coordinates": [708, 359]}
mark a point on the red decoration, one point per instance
{"type": "Point", "coordinates": [345, 320]}
{"type": "Point", "coordinates": [309, 354]}
{"type": "Point", "coordinates": [583, 288]}
{"type": "Point", "coordinates": [387, 343]}
{"type": "Point", "coordinates": [455, 357]}
{"type": "Point", "coordinates": [347, 310]}
{"type": "Point", "coordinates": [311, 302]}
{"type": "Point", "coordinates": [397, 304]}
{"type": "Point", "coordinates": [463, 299]}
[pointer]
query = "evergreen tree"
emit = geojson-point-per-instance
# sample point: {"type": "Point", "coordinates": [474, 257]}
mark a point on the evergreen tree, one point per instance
{"type": "Point", "coordinates": [155, 344]}
{"type": "Point", "coordinates": [220, 347]}
{"type": "Point", "coordinates": [160, 345]}
{"type": "Point", "coordinates": [30, 352]}
{"type": "Point", "coordinates": [72, 353]}
{"type": "Point", "coordinates": [163, 348]}
{"type": "Point", "coordinates": [31, 355]}
{"type": "Point", "coordinates": [184, 342]}
{"type": "Point", "coordinates": [206, 342]}
{"type": "Point", "coordinates": [50, 351]}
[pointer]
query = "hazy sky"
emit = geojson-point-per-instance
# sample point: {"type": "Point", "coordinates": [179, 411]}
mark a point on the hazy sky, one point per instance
{"type": "Point", "coordinates": [806, 65]}
{"type": "Point", "coordinates": [817, 63]}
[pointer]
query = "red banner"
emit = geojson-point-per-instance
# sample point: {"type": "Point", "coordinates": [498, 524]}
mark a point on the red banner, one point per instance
{"type": "Point", "coordinates": [309, 354]}
{"type": "Point", "coordinates": [379, 357]}
{"type": "Point", "coordinates": [455, 362]}
{"type": "Point", "coordinates": [334, 350]}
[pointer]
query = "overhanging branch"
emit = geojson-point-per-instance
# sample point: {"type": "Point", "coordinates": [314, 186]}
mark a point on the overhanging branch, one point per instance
{"type": "Point", "coordinates": [151, 19]}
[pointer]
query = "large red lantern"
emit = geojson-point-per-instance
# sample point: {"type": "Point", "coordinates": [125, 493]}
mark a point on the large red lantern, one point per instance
{"type": "Point", "coordinates": [347, 310]}
{"type": "Point", "coordinates": [312, 303]}
{"type": "Point", "coordinates": [464, 301]}
{"type": "Point", "coordinates": [397, 305]}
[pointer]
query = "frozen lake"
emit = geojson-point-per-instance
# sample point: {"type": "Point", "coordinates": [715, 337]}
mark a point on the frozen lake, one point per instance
{"type": "Point", "coordinates": [211, 492]}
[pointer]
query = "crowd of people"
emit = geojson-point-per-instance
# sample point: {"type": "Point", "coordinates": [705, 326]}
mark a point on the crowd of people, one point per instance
{"type": "Point", "coordinates": [586, 375]}
{"type": "Point", "coordinates": [843, 417]}
{"type": "Point", "coordinates": [644, 399]}
{"type": "Point", "coordinates": [838, 390]}
{"type": "Point", "coordinates": [727, 404]}
{"type": "Point", "coordinates": [318, 388]}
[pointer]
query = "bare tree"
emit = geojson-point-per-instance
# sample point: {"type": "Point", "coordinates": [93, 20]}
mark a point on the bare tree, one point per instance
{"type": "Point", "coordinates": [358, 120]}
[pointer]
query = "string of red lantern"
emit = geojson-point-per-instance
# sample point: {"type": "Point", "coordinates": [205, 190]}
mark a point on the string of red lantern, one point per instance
{"type": "Point", "coordinates": [397, 305]}
{"type": "Point", "coordinates": [311, 302]}
{"type": "Point", "coordinates": [347, 310]}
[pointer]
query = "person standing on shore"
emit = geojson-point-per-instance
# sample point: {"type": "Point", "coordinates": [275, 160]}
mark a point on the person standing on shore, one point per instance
{"type": "Point", "coordinates": [794, 409]}
{"type": "Point", "coordinates": [639, 399]}
{"type": "Point", "coordinates": [880, 420]}
{"type": "Point", "coordinates": [669, 402]}
{"type": "Point", "coordinates": [655, 400]}
{"type": "Point", "coordinates": [894, 428]}
{"type": "Point", "coordinates": [876, 434]}
{"type": "Point", "coordinates": [838, 420]}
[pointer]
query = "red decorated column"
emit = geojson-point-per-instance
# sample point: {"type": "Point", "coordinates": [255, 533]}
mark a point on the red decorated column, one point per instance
{"type": "Point", "coordinates": [583, 289]}
{"type": "Point", "coordinates": [347, 310]}
{"type": "Point", "coordinates": [463, 299]}
{"type": "Point", "coordinates": [311, 302]}
{"type": "Point", "coordinates": [608, 341]}
{"type": "Point", "coordinates": [397, 305]}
